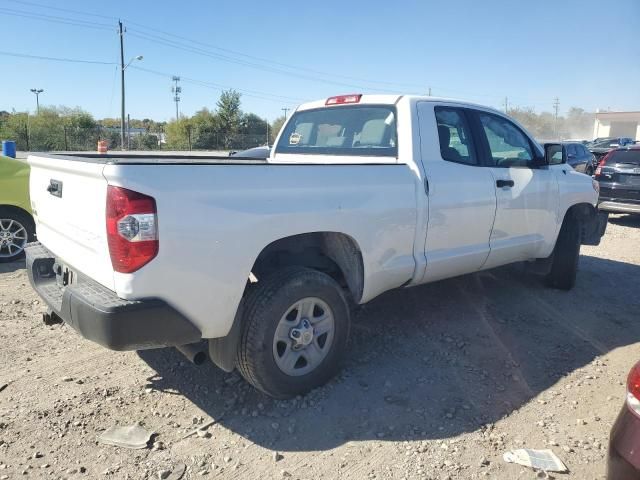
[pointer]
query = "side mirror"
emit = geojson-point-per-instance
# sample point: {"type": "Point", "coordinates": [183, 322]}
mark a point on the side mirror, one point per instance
{"type": "Point", "coordinates": [554, 154]}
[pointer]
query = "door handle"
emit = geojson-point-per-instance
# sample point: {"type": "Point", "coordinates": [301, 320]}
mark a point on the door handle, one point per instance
{"type": "Point", "coordinates": [504, 183]}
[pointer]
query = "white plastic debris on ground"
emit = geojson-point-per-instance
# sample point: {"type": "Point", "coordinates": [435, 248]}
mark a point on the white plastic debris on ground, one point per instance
{"type": "Point", "coordinates": [544, 460]}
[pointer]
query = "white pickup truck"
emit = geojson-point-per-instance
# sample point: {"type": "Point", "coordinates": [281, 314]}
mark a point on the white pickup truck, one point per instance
{"type": "Point", "coordinates": [265, 259]}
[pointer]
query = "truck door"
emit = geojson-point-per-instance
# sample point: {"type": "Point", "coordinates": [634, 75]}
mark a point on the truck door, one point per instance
{"type": "Point", "coordinates": [462, 198]}
{"type": "Point", "coordinates": [526, 192]}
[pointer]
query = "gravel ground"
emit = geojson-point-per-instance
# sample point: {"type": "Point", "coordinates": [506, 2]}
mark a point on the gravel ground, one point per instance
{"type": "Point", "coordinates": [440, 381]}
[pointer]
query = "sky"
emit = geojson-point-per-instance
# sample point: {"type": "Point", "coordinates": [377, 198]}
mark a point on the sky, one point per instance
{"type": "Point", "coordinates": [279, 54]}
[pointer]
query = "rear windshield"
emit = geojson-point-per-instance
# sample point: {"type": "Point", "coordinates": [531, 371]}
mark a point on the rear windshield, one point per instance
{"type": "Point", "coordinates": [356, 130]}
{"type": "Point", "coordinates": [631, 157]}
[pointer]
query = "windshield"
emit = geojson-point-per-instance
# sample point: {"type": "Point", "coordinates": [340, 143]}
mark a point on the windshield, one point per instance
{"type": "Point", "coordinates": [606, 143]}
{"type": "Point", "coordinates": [625, 156]}
{"type": "Point", "coordinates": [357, 130]}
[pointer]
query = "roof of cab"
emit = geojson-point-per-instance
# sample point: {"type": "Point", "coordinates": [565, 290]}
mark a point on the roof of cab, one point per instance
{"type": "Point", "coordinates": [390, 100]}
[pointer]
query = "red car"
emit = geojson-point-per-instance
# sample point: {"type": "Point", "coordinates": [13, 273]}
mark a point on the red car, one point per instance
{"type": "Point", "coordinates": [624, 447]}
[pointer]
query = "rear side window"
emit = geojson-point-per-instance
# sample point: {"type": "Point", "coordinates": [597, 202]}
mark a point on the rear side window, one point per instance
{"type": "Point", "coordinates": [356, 130]}
{"type": "Point", "coordinates": [630, 157]}
{"type": "Point", "coordinates": [454, 134]}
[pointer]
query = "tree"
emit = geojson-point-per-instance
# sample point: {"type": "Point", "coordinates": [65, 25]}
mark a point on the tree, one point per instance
{"type": "Point", "coordinates": [179, 134]}
{"type": "Point", "coordinates": [276, 126]}
{"type": "Point", "coordinates": [229, 114]}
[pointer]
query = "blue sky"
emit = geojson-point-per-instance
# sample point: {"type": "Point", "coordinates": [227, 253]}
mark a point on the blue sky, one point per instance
{"type": "Point", "coordinates": [585, 52]}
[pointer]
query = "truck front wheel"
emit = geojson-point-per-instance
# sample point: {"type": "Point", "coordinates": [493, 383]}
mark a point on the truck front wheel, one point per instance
{"type": "Point", "coordinates": [566, 254]}
{"type": "Point", "coordinates": [295, 332]}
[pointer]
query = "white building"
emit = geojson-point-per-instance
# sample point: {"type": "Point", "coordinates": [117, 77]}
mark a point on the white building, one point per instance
{"type": "Point", "coordinates": [617, 124]}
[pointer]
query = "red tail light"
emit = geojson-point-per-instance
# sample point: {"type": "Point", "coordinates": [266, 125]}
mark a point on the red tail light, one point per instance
{"type": "Point", "coordinates": [132, 229]}
{"type": "Point", "coordinates": [341, 99]}
{"type": "Point", "coordinates": [602, 163]}
{"type": "Point", "coordinates": [633, 389]}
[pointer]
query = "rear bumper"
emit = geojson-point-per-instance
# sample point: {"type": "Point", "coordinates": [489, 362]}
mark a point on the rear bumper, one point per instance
{"type": "Point", "coordinates": [623, 462]}
{"type": "Point", "coordinates": [98, 314]}
{"type": "Point", "coordinates": [619, 207]}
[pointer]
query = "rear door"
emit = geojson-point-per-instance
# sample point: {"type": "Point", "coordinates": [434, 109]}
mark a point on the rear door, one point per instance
{"type": "Point", "coordinates": [527, 195]}
{"type": "Point", "coordinates": [462, 199]}
{"type": "Point", "coordinates": [68, 198]}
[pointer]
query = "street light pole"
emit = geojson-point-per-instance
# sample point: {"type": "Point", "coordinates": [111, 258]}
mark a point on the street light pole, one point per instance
{"type": "Point", "coordinates": [37, 92]}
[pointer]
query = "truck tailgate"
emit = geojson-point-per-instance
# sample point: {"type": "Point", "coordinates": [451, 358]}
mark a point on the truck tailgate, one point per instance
{"type": "Point", "coordinates": [68, 198]}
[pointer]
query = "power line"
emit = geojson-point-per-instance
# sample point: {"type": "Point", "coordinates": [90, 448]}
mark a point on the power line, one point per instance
{"type": "Point", "coordinates": [217, 86]}
{"type": "Point", "coordinates": [55, 19]}
{"type": "Point", "coordinates": [55, 59]}
{"type": "Point", "coordinates": [267, 65]}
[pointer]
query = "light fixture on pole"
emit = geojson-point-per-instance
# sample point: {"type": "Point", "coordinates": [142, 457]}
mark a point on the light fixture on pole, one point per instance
{"type": "Point", "coordinates": [37, 92]}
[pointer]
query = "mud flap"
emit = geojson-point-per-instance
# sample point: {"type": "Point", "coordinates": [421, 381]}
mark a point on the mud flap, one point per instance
{"type": "Point", "coordinates": [593, 228]}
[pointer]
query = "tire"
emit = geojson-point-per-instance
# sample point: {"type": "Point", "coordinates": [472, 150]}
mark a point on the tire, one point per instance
{"type": "Point", "coordinates": [274, 308]}
{"type": "Point", "coordinates": [16, 230]}
{"type": "Point", "coordinates": [566, 256]}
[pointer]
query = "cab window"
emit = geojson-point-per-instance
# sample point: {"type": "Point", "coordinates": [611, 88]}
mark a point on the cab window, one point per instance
{"type": "Point", "coordinates": [509, 147]}
{"type": "Point", "coordinates": [454, 135]}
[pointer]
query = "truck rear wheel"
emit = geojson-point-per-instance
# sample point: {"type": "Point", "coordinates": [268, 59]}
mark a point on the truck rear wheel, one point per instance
{"type": "Point", "coordinates": [566, 255]}
{"type": "Point", "coordinates": [295, 332]}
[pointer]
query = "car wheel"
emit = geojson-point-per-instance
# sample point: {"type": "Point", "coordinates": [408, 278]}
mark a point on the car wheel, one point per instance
{"type": "Point", "coordinates": [566, 255]}
{"type": "Point", "coordinates": [16, 230]}
{"type": "Point", "coordinates": [295, 331]}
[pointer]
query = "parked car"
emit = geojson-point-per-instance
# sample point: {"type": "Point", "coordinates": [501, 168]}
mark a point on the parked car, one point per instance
{"type": "Point", "coordinates": [619, 176]}
{"type": "Point", "coordinates": [16, 223]}
{"type": "Point", "coordinates": [264, 259]}
{"type": "Point", "coordinates": [623, 462]}
{"type": "Point", "coordinates": [580, 158]}
{"type": "Point", "coordinates": [601, 146]}
{"type": "Point", "coordinates": [256, 152]}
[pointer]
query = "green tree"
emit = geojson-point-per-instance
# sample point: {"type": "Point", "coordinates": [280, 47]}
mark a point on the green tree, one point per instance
{"type": "Point", "coordinates": [276, 126]}
{"type": "Point", "coordinates": [179, 134]}
{"type": "Point", "coordinates": [229, 113]}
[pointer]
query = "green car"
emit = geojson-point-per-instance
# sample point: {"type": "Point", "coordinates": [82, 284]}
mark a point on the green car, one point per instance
{"type": "Point", "coordinates": [16, 223]}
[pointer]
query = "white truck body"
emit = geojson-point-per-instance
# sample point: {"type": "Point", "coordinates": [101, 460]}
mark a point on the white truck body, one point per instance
{"type": "Point", "coordinates": [414, 217]}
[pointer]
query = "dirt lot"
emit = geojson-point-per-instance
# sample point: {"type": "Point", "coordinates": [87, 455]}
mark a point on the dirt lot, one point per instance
{"type": "Point", "coordinates": [440, 381]}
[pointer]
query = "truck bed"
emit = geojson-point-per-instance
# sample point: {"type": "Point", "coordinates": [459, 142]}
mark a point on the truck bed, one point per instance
{"type": "Point", "coordinates": [169, 158]}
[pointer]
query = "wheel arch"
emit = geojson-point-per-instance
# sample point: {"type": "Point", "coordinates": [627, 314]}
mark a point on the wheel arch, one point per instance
{"type": "Point", "coordinates": [17, 209]}
{"type": "Point", "coordinates": [334, 253]}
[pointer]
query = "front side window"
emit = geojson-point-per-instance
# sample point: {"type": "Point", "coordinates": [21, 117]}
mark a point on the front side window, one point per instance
{"type": "Point", "coordinates": [456, 144]}
{"type": "Point", "coordinates": [355, 130]}
{"type": "Point", "coordinates": [509, 147]}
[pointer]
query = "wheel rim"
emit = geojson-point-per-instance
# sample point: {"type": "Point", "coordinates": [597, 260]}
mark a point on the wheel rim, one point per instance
{"type": "Point", "coordinates": [13, 238]}
{"type": "Point", "coordinates": [303, 336]}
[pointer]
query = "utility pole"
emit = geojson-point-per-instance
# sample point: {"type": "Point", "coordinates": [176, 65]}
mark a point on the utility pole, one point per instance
{"type": "Point", "coordinates": [121, 33]}
{"type": "Point", "coordinates": [285, 110]}
{"type": "Point", "coordinates": [429, 91]}
{"type": "Point", "coordinates": [37, 92]}
{"type": "Point", "coordinates": [506, 105]}
{"type": "Point", "coordinates": [556, 104]}
{"type": "Point", "coordinates": [176, 89]}
{"type": "Point", "coordinates": [267, 122]}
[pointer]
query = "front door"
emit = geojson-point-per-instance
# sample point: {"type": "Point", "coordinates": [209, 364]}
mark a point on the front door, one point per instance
{"type": "Point", "coordinates": [527, 193]}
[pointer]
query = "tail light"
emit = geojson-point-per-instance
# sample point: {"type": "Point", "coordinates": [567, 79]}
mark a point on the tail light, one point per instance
{"type": "Point", "coordinates": [342, 99]}
{"type": "Point", "coordinates": [602, 163]}
{"type": "Point", "coordinates": [132, 229]}
{"type": "Point", "coordinates": [633, 389]}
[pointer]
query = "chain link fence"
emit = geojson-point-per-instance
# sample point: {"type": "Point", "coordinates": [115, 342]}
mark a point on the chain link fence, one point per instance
{"type": "Point", "coordinates": [67, 138]}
